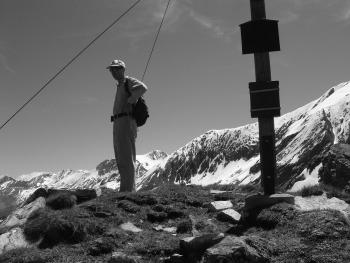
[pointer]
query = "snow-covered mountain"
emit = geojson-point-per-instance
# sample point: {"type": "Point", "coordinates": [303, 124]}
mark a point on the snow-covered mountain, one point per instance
{"type": "Point", "coordinates": [228, 156]}
{"type": "Point", "coordinates": [105, 175]}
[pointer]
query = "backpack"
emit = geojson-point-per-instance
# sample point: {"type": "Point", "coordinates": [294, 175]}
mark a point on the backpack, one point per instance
{"type": "Point", "coordinates": [139, 109]}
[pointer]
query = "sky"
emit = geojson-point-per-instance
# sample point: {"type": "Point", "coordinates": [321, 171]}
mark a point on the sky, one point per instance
{"type": "Point", "coordinates": [197, 78]}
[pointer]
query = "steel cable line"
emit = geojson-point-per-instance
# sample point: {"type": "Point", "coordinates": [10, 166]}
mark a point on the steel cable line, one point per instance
{"type": "Point", "coordinates": [70, 62]}
{"type": "Point", "coordinates": [155, 40]}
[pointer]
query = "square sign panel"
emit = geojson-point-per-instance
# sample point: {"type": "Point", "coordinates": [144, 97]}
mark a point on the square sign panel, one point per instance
{"type": "Point", "coordinates": [259, 36]}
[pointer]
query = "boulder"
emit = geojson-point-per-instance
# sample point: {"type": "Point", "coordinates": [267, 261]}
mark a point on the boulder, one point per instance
{"type": "Point", "coordinates": [130, 227]}
{"type": "Point", "coordinates": [197, 245]}
{"type": "Point", "coordinates": [321, 203]}
{"type": "Point", "coordinates": [335, 168]}
{"type": "Point", "coordinates": [233, 249]}
{"type": "Point", "coordinates": [229, 215]}
{"type": "Point", "coordinates": [13, 239]}
{"type": "Point", "coordinates": [220, 205]}
{"type": "Point", "coordinates": [19, 216]}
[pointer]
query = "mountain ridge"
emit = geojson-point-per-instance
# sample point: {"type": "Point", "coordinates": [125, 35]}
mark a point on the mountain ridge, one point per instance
{"type": "Point", "coordinates": [303, 136]}
{"type": "Point", "coordinates": [105, 175]}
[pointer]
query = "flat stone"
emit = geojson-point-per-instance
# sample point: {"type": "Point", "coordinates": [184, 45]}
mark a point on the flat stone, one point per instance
{"type": "Point", "coordinates": [199, 244]}
{"type": "Point", "coordinates": [322, 202]}
{"type": "Point", "coordinates": [229, 215]}
{"type": "Point", "coordinates": [220, 205]}
{"type": "Point", "coordinates": [261, 201]}
{"type": "Point", "coordinates": [171, 230]}
{"type": "Point", "coordinates": [128, 226]}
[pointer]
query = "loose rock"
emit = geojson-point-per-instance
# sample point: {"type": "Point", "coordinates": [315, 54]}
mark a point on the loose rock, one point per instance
{"type": "Point", "coordinates": [13, 239]}
{"type": "Point", "coordinates": [19, 216]}
{"type": "Point", "coordinates": [229, 215]}
{"type": "Point", "coordinates": [220, 205]}
{"type": "Point", "coordinates": [199, 244]}
{"type": "Point", "coordinates": [233, 249]}
{"type": "Point", "coordinates": [128, 226]}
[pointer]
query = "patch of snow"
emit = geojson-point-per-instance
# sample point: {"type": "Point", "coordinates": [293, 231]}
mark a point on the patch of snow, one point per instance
{"type": "Point", "coordinates": [4, 185]}
{"type": "Point", "coordinates": [295, 159]}
{"type": "Point", "coordinates": [336, 140]}
{"type": "Point", "coordinates": [310, 179]}
{"type": "Point", "coordinates": [235, 171]}
{"type": "Point", "coordinates": [295, 127]}
{"type": "Point", "coordinates": [112, 185]}
{"type": "Point", "coordinates": [327, 101]}
{"type": "Point", "coordinates": [25, 195]}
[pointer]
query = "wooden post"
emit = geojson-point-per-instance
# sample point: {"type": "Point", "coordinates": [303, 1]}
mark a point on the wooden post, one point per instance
{"type": "Point", "coordinates": [266, 125]}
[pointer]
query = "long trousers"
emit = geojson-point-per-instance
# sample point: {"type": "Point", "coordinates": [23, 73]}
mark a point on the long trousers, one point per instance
{"type": "Point", "coordinates": [124, 136]}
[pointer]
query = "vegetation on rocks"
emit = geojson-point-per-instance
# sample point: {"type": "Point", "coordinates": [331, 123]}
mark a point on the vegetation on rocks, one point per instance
{"type": "Point", "coordinates": [169, 217]}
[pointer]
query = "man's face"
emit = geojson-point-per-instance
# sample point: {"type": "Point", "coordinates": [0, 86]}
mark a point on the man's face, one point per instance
{"type": "Point", "coordinates": [117, 72]}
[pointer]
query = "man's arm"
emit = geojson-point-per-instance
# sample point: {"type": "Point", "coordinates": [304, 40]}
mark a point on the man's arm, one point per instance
{"type": "Point", "coordinates": [137, 89]}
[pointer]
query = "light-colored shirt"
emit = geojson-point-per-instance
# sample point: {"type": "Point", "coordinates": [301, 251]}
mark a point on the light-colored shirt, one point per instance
{"type": "Point", "coordinates": [136, 88]}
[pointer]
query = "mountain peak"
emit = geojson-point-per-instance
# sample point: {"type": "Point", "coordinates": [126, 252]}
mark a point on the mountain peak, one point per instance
{"type": "Point", "coordinates": [333, 96]}
{"type": "Point", "coordinates": [156, 155]}
{"type": "Point", "coordinates": [30, 176]}
{"type": "Point", "coordinates": [5, 178]}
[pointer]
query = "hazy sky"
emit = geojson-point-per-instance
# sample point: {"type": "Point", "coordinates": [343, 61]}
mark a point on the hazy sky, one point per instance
{"type": "Point", "coordinates": [197, 79]}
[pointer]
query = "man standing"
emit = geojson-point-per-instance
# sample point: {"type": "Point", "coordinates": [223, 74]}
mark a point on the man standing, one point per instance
{"type": "Point", "coordinates": [124, 127]}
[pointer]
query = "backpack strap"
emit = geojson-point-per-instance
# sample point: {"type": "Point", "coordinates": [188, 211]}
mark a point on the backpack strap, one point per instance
{"type": "Point", "coordinates": [127, 86]}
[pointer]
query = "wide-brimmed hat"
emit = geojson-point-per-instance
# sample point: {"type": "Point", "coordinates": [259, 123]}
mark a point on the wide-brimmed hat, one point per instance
{"type": "Point", "coordinates": [116, 63]}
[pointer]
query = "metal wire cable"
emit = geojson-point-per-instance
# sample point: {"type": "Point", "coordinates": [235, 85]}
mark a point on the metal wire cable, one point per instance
{"type": "Point", "coordinates": [70, 62]}
{"type": "Point", "coordinates": [155, 40]}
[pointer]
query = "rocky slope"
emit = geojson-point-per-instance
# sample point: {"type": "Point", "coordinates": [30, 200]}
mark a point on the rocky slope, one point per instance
{"type": "Point", "coordinates": [177, 224]}
{"type": "Point", "coordinates": [303, 137]}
